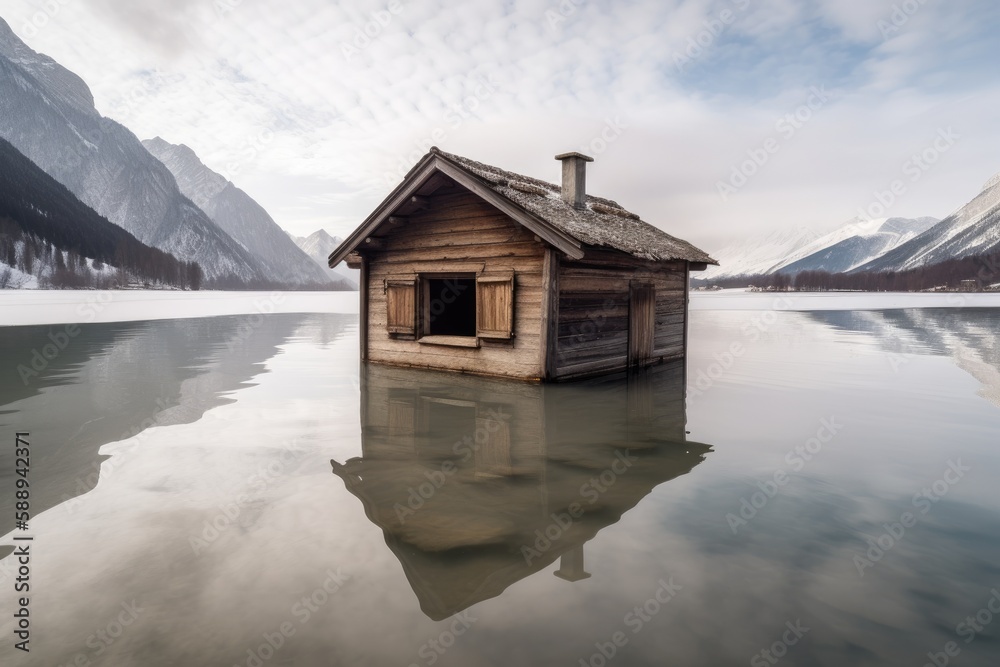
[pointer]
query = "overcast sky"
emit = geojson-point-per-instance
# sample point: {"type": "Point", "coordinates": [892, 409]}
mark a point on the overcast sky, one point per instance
{"type": "Point", "coordinates": [318, 120]}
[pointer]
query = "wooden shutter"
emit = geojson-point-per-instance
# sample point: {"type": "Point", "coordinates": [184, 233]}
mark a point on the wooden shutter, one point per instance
{"type": "Point", "coordinates": [495, 306]}
{"type": "Point", "coordinates": [401, 305]}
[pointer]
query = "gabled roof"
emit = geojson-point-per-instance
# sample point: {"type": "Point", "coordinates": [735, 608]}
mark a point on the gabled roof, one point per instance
{"type": "Point", "coordinates": [537, 205]}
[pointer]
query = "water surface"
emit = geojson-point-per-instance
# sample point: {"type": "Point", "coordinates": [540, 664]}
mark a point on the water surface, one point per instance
{"type": "Point", "coordinates": [262, 501]}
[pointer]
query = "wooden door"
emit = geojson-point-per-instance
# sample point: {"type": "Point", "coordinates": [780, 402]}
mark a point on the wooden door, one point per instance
{"type": "Point", "coordinates": [641, 324]}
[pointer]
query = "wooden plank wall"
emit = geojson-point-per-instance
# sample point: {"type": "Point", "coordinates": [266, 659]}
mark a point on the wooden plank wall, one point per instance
{"type": "Point", "coordinates": [458, 232]}
{"type": "Point", "coordinates": [594, 312]}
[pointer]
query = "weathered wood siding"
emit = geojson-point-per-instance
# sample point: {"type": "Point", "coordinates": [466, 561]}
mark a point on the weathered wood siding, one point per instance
{"type": "Point", "coordinates": [458, 232]}
{"type": "Point", "coordinates": [593, 311]}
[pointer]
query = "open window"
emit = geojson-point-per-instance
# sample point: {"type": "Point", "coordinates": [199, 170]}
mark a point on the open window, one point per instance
{"type": "Point", "coordinates": [449, 305]}
{"type": "Point", "coordinates": [453, 309]}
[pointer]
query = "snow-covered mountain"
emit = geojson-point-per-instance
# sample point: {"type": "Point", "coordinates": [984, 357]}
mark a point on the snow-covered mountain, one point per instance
{"type": "Point", "coordinates": [318, 246]}
{"type": "Point", "coordinates": [791, 251]}
{"type": "Point", "coordinates": [972, 230]}
{"type": "Point", "coordinates": [239, 215]}
{"type": "Point", "coordinates": [855, 244]}
{"type": "Point", "coordinates": [48, 114]}
{"type": "Point", "coordinates": [49, 238]}
{"type": "Point", "coordinates": [758, 255]}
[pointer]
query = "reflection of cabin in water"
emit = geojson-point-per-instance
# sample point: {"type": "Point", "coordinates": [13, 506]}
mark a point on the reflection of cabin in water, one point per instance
{"type": "Point", "coordinates": [472, 480]}
{"type": "Point", "coordinates": [466, 267]}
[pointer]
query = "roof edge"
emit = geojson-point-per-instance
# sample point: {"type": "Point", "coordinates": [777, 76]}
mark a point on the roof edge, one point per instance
{"type": "Point", "coordinates": [436, 160]}
{"type": "Point", "coordinates": [354, 239]}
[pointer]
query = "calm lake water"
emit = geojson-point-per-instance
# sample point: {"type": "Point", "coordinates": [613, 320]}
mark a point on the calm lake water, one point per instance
{"type": "Point", "coordinates": [236, 491]}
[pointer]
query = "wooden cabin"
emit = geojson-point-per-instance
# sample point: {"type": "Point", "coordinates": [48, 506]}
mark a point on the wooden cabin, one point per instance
{"type": "Point", "coordinates": [463, 474]}
{"type": "Point", "coordinates": [469, 268]}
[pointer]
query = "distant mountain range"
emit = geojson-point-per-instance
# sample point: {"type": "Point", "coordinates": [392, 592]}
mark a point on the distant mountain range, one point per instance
{"type": "Point", "coordinates": [239, 216]}
{"type": "Point", "coordinates": [48, 114]}
{"type": "Point", "coordinates": [318, 247]}
{"type": "Point", "coordinates": [854, 245]}
{"type": "Point", "coordinates": [973, 229]}
{"type": "Point", "coordinates": [888, 244]}
{"type": "Point", "coordinates": [758, 255]}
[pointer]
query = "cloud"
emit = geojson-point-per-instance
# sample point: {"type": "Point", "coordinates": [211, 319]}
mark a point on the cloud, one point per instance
{"type": "Point", "coordinates": [298, 99]}
{"type": "Point", "coordinates": [162, 24]}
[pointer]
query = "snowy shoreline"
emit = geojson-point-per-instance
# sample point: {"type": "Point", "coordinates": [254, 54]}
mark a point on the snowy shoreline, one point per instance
{"type": "Point", "coordinates": [32, 307]}
{"type": "Point", "coordinates": [740, 299]}
{"type": "Point", "coordinates": [28, 307]}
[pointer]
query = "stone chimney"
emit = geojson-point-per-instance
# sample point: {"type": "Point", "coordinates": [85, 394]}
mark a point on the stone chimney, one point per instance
{"type": "Point", "coordinates": [574, 178]}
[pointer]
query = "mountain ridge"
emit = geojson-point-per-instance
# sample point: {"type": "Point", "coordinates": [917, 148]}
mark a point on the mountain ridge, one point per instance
{"type": "Point", "coordinates": [855, 244]}
{"type": "Point", "coordinates": [48, 234]}
{"type": "Point", "coordinates": [790, 251]}
{"type": "Point", "coordinates": [973, 229]}
{"type": "Point", "coordinates": [239, 215]}
{"type": "Point", "coordinates": [47, 113]}
{"type": "Point", "coordinates": [318, 247]}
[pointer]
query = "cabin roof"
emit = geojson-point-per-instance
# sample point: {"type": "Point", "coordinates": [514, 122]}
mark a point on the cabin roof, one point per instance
{"type": "Point", "coordinates": [540, 207]}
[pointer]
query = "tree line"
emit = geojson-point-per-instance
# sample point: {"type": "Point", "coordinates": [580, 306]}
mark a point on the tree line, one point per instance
{"type": "Point", "coordinates": [47, 232]}
{"type": "Point", "coordinates": [978, 273]}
